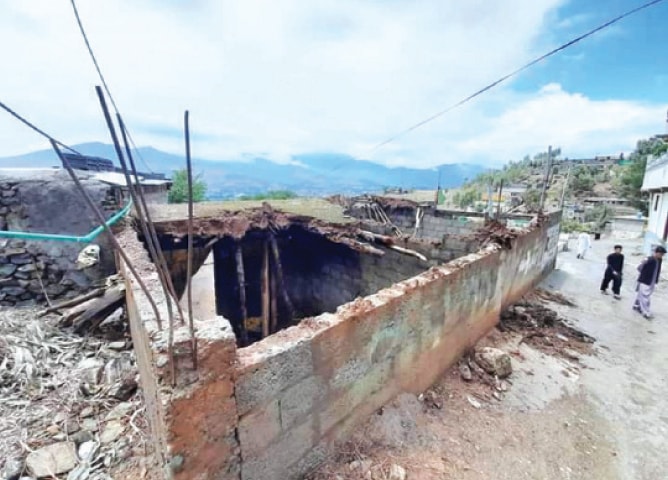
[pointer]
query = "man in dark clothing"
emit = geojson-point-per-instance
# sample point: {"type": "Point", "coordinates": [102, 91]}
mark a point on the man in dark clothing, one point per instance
{"type": "Point", "coordinates": [650, 271]}
{"type": "Point", "coordinates": [613, 272]}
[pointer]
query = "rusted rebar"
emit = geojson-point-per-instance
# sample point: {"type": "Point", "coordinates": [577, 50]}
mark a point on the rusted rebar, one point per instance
{"type": "Point", "coordinates": [159, 256]}
{"type": "Point", "coordinates": [119, 154]}
{"type": "Point", "coordinates": [191, 321]}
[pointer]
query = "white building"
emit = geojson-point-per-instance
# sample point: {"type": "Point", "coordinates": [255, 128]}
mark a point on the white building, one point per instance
{"type": "Point", "coordinates": [656, 184]}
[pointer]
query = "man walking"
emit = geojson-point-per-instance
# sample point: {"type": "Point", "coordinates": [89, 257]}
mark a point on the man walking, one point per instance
{"type": "Point", "coordinates": [650, 271]}
{"type": "Point", "coordinates": [613, 272]}
{"type": "Point", "coordinates": [584, 244]}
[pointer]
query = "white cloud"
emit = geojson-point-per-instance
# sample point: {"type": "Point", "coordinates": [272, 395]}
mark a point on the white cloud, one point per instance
{"type": "Point", "coordinates": [281, 77]}
{"type": "Point", "coordinates": [579, 125]}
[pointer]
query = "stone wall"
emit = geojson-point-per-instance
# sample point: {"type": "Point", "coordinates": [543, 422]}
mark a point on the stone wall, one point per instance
{"type": "Point", "coordinates": [299, 391]}
{"type": "Point", "coordinates": [47, 202]}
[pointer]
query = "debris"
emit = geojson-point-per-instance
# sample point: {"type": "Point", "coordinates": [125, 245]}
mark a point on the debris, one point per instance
{"type": "Point", "coordinates": [432, 400]}
{"type": "Point", "coordinates": [87, 451]}
{"type": "Point", "coordinates": [124, 389]}
{"type": "Point", "coordinates": [494, 361]}
{"type": "Point", "coordinates": [397, 472]}
{"type": "Point", "coordinates": [111, 431]}
{"type": "Point", "coordinates": [475, 403]}
{"type": "Point", "coordinates": [12, 469]}
{"type": "Point", "coordinates": [117, 345]}
{"type": "Point", "coordinates": [52, 460]}
{"type": "Point", "coordinates": [119, 411]}
{"type": "Point", "coordinates": [91, 370]}
{"type": "Point", "coordinates": [465, 372]}
{"type": "Point", "coordinates": [550, 296]}
{"type": "Point", "coordinates": [100, 308]}
{"type": "Point", "coordinates": [88, 257]}
{"type": "Point", "coordinates": [73, 302]}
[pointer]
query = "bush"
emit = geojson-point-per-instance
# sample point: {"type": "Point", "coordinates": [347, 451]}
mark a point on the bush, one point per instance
{"type": "Point", "coordinates": [179, 191]}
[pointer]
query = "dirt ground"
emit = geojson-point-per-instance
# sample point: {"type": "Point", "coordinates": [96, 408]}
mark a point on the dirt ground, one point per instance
{"type": "Point", "coordinates": [570, 410]}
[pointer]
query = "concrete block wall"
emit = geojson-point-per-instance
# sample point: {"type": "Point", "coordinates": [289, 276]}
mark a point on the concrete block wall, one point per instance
{"type": "Point", "coordinates": [435, 224]}
{"type": "Point", "coordinates": [302, 389]}
{"type": "Point", "coordinates": [48, 203]}
{"type": "Point", "coordinates": [193, 423]}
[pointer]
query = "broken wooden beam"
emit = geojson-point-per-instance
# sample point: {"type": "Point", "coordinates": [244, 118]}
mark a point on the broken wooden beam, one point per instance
{"type": "Point", "coordinates": [389, 242]}
{"type": "Point", "coordinates": [279, 273]}
{"type": "Point", "coordinates": [100, 309]}
{"type": "Point", "coordinates": [241, 277]}
{"type": "Point", "coordinates": [73, 302]}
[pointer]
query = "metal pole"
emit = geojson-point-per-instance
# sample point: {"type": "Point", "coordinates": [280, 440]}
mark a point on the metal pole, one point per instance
{"type": "Point", "coordinates": [498, 207]}
{"type": "Point", "coordinates": [547, 177]}
{"type": "Point", "coordinates": [563, 190]}
{"type": "Point", "coordinates": [189, 169]}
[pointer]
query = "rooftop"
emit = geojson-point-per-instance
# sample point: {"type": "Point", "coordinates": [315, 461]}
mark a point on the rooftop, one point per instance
{"type": "Point", "coordinates": [316, 208]}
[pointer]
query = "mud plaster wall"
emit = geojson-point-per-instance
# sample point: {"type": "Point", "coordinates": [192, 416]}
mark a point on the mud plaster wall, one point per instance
{"type": "Point", "coordinates": [303, 389]}
{"type": "Point", "coordinates": [49, 203]}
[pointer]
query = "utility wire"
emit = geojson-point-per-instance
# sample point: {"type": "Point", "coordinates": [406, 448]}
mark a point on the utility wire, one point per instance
{"type": "Point", "coordinates": [512, 74]}
{"type": "Point", "coordinates": [103, 80]}
{"type": "Point", "coordinates": [35, 128]}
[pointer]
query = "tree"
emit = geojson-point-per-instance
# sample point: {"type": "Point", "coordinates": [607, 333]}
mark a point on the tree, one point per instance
{"type": "Point", "coordinates": [582, 180]}
{"type": "Point", "coordinates": [630, 178]}
{"type": "Point", "coordinates": [179, 191]}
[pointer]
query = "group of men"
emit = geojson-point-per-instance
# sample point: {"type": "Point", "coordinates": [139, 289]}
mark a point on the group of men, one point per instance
{"type": "Point", "coordinates": [649, 272]}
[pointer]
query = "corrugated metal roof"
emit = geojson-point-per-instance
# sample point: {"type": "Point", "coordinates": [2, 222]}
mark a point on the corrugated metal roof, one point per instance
{"type": "Point", "coordinates": [118, 179]}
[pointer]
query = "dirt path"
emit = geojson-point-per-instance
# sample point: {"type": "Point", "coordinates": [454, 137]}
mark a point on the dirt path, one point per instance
{"type": "Point", "coordinates": [593, 417]}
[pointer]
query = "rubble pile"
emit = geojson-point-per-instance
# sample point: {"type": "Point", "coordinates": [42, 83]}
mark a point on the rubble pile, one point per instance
{"type": "Point", "coordinates": [494, 232]}
{"type": "Point", "coordinates": [68, 404]}
{"type": "Point", "coordinates": [543, 328]}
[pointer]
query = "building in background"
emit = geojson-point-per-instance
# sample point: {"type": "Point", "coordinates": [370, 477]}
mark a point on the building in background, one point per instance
{"type": "Point", "coordinates": [655, 183]}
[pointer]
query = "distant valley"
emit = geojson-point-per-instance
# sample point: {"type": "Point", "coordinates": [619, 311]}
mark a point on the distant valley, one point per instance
{"type": "Point", "coordinates": [314, 174]}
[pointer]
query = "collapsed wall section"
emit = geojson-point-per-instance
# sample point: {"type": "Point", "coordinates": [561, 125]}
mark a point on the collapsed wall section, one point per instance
{"type": "Point", "coordinates": [46, 201]}
{"type": "Point", "coordinates": [305, 388]}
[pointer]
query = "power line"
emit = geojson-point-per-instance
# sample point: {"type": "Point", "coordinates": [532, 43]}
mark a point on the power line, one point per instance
{"type": "Point", "coordinates": [35, 128]}
{"type": "Point", "coordinates": [512, 74]}
{"type": "Point", "coordinates": [103, 80]}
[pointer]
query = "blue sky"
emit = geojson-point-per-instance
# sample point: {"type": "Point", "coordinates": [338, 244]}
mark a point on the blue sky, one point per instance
{"type": "Point", "coordinates": [627, 61]}
{"type": "Point", "coordinates": [285, 77]}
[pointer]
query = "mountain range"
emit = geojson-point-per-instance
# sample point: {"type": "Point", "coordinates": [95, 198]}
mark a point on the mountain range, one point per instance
{"type": "Point", "coordinates": [311, 174]}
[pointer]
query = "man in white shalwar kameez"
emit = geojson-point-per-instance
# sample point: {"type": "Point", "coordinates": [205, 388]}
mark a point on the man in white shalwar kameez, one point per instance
{"type": "Point", "coordinates": [584, 244]}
